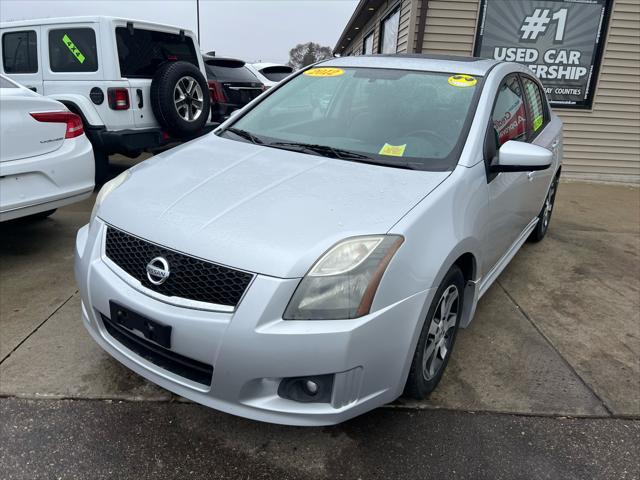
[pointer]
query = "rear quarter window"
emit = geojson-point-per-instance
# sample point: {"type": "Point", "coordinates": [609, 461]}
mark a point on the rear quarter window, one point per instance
{"type": "Point", "coordinates": [73, 50]}
{"type": "Point", "coordinates": [20, 52]}
{"type": "Point", "coordinates": [142, 52]}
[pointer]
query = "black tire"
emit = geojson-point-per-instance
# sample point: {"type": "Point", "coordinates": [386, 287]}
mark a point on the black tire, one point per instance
{"type": "Point", "coordinates": [164, 97]}
{"type": "Point", "coordinates": [419, 383]}
{"type": "Point", "coordinates": [102, 167]}
{"type": "Point", "coordinates": [544, 218]}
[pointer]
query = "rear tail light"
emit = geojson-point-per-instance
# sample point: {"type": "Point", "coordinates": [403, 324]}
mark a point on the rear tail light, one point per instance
{"type": "Point", "coordinates": [118, 98]}
{"type": "Point", "coordinates": [73, 121]}
{"type": "Point", "coordinates": [216, 91]}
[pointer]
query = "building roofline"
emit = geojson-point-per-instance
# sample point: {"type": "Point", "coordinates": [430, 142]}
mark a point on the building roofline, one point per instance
{"type": "Point", "coordinates": [358, 18]}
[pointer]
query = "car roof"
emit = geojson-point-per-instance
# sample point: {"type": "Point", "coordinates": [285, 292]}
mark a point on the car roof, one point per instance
{"type": "Point", "coordinates": [432, 63]}
{"type": "Point", "coordinates": [83, 19]}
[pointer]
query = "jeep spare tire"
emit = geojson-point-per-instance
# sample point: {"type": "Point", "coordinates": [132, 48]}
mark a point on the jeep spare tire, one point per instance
{"type": "Point", "coordinates": [180, 99]}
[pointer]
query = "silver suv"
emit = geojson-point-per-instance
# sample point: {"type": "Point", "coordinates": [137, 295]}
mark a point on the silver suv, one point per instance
{"type": "Point", "coordinates": [137, 85]}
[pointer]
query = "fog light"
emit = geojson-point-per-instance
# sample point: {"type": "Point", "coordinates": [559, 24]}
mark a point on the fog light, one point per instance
{"type": "Point", "coordinates": [311, 387]}
{"type": "Point", "coordinates": [317, 389]}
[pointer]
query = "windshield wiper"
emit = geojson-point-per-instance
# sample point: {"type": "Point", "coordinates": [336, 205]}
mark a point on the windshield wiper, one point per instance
{"type": "Point", "coordinates": [246, 135]}
{"type": "Point", "coordinates": [321, 149]}
{"type": "Point", "coordinates": [339, 153]}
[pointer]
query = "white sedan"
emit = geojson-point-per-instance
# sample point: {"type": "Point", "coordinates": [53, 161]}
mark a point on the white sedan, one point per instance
{"type": "Point", "coordinates": [46, 161]}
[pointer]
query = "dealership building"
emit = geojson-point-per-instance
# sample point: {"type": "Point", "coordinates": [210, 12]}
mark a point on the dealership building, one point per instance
{"type": "Point", "coordinates": [585, 52]}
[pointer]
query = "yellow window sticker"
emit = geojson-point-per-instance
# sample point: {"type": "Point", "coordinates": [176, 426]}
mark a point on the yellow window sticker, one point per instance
{"type": "Point", "coordinates": [537, 123]}
{"type": "Point", "coordinates": [72, 47]}
{"type": "Point", "coordinates": [324, 72]}
{"type": "Point", "coordinates": [393, 150]}
{"type": "Point", "coordinates": [462, 80]}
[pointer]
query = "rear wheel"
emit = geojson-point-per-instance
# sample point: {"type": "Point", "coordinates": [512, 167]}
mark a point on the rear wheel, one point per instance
{"type": "Point", "coordinates": [437, 337]}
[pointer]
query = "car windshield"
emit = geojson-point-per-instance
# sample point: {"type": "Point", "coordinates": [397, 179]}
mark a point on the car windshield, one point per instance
{"type": "Point", "coordinates": [408, 119]}
{"type": "Point", "coordinates": [229, 72]}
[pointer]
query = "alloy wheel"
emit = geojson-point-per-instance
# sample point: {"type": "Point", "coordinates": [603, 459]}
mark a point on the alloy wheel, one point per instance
{"type": "Point", "coordinates": [548, 205]}
{"type": "Point", "coordinates": [188, 98]}
{"type": "Point", "coordinates": [441, 332]}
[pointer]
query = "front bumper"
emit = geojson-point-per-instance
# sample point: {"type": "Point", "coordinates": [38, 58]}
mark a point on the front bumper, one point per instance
{"type": "Point", "coordinates": [253, 349]}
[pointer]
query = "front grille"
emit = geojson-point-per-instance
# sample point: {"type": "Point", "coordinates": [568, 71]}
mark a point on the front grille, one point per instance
{"type": "Point", "coordinates": [180, 365]}
{"type": "Point", "coordinates": [190, 278]}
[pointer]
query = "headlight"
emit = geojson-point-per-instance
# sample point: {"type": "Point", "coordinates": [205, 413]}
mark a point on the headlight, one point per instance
{"type": "Point", "coordinates": [343, 282]}
{"type": "Point", "coordinates": [106, 189]}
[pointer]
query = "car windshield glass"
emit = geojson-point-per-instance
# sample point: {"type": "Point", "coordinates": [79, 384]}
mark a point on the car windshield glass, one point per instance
{"type": "Point", "coordinates": [275, 76]}
{"type": "Point", "coordinates": [410, 119]}
{"type": "Point", "coordinates": [234, 73]}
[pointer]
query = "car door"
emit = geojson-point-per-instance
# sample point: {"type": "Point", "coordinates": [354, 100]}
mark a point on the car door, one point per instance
{"type": "Point", "coordinates": [508, 191]}
{"type": "Point", "coordinates": [541, 132]}
{"type": "Point", "coordinates": [21, 60]}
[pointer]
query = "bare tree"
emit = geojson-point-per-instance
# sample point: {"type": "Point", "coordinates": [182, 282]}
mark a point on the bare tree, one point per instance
{"type": "Point", "coordinates": [305, 54]}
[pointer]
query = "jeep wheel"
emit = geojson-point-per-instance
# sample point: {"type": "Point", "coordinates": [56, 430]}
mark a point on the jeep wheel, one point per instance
{"type": "Point", "coordinates": [180, 99]}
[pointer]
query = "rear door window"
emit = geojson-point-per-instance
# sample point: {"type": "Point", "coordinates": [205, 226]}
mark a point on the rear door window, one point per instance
{"type": "Point", "coordinates": [509, 113]}
{"type": "Point", "coordinates": [538, 117]}
{"type": "Point", "coordinates": [20, 52]}
{"type": "Point", "coordinates": [142, 52]}
{"type": "Point", "coordinates": [73, 50]}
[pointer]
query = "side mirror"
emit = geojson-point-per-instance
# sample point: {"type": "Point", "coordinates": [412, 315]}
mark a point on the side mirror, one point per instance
{"type": "Point", "coordinates": [516, 156]}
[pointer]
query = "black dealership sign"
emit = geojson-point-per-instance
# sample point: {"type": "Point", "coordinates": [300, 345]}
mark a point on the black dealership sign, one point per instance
{"type": "Point", "coordinates": [561, 41]}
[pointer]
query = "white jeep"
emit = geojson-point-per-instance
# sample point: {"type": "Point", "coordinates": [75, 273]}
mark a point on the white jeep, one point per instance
{"type": "Point", "coordinates": [138, 86]}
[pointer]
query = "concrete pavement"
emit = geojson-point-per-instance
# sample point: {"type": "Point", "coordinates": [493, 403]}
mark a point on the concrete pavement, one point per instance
{"type": "Point", "coordinates": [557, 335]}
{"type": "Point", "coordinates": [160, 440]}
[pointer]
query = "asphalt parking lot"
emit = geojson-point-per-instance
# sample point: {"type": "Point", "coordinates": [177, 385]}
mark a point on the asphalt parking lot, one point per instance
{"type": "Point", "coordinates": [544, 384]}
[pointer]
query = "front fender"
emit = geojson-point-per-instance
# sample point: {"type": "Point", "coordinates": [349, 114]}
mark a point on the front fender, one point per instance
{"type": "Point", "coordinates": [450, 222]}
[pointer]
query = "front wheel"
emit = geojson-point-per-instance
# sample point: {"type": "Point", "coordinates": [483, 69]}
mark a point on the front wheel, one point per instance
{"type": "Point", "coordinates": [544, 218]}
{"type": "Point", "coordinates": [437, 337]}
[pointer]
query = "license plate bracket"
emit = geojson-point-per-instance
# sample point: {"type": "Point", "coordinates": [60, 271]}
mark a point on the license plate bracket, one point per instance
{"type": "Point", "coordinates": [151, 329]}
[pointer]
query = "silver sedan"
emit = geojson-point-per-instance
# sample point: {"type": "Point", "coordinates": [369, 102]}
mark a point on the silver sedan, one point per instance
{"type": "Point", "coordinates": [314, 256]}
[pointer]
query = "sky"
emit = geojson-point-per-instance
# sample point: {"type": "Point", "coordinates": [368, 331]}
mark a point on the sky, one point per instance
{"type": "Point", "coordinates": [252, 30]}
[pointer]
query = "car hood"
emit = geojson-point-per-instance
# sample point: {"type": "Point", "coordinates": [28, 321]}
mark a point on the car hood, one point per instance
{"type": "Point", "coordinates": [257, 208]}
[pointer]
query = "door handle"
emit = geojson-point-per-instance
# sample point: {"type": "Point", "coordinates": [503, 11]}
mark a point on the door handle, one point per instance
{"type": "Point", "coordinates": [139, 95]}
{"type": "Point", "coordinates": [531, 175]}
